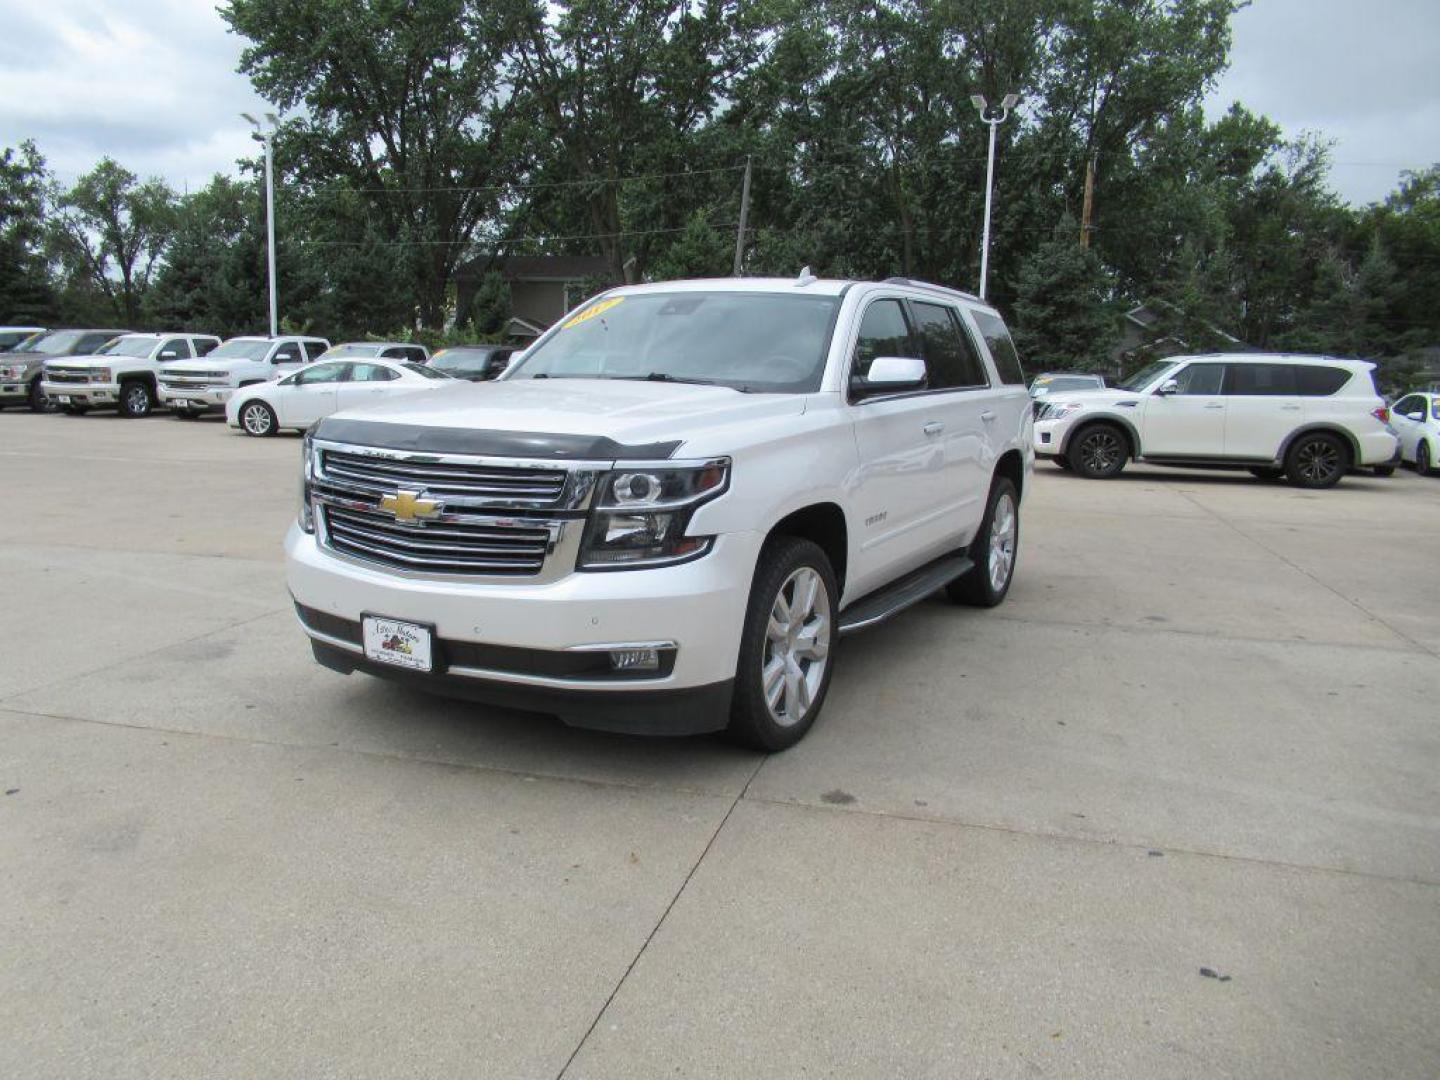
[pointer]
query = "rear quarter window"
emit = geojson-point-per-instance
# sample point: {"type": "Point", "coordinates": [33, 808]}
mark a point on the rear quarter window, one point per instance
{"type": "Point", "coordinates": [1320, 381]}
{"type": "Point", "coordinates": [1002, 349]}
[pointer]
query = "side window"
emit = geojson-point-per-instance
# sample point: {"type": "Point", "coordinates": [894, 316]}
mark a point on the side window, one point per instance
{"type": "Point", "coordinates": [1200, 378]}
{"type": "Point", "coordinates": [415, 354]}
{"type": "Point", "coordinates": [949, 354]}
{"type": "Point", "coordinates": [204, 345]}
{"type": "Point", "coordinates": [1002, 349]}
{"type": "Point", "coordinates": [394, 352]}
{"type": "Point", "coordinates": [179, 346]}
{"type": "Point", "coordinates": [90, 342]}
{"type": "Point", "coordinates": [314, 349]}
{"type": "Point", "coordinates": [883, 332]}
{"type": "Point", "coordinates": [1412, 407]}
{"type": "Point", "coordinates": [1261, 380]}
{"type": "Point", "coordinates": [1319, 381]}
{"type": "Point", "coordinates": [321, 373]}
{"type": "Point", "coordinates": [288, 353]}
{"type": "Point", "coordinates": [373, 373]}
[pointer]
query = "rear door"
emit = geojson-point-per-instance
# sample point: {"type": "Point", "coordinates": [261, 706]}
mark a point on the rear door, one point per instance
{"type": "Point", "coordinates": [1263, 406]}
{"type": "Point", "coordinates": [367, 384]}
{"type": "Point", "coordinates": [1189, 422]}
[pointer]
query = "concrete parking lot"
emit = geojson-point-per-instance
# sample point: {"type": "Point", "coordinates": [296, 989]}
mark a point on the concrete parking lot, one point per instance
{"type": "Point", "coordinates": [1173, 810]}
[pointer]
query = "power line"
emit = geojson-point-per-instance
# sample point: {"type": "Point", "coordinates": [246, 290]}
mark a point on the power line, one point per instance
{"type": "Point", "coordinates": [540, 184]}
{"type": "Point", "coordinates": [497, 240]}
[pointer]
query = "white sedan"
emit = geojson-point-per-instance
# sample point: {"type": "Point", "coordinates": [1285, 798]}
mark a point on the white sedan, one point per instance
{"type": "Point", "coordinates": [324, 387]}
{"type": "Point", "coordinates": [1416, 420]}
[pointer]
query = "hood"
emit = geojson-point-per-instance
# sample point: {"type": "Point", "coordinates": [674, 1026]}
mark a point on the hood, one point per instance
{"type": "Point", "coordinates": [618, 410]}
{"type": "Point", "coordinates": [73, 361]}
{"type": "Point", "coordinates": [1091, 398]}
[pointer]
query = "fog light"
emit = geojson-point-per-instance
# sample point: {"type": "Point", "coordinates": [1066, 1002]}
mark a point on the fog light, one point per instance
{"type": "Point", "coordinates": [1044, 436]}
{"type": "Point", "coordinates": [635, 659]}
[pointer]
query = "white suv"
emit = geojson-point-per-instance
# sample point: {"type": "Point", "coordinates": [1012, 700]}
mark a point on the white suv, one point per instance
{"type": "Point", "coordinates": [191, 389]}
{"type": "Point", "coordinates": [663, 516]}
{"type": "Point", "coordinates": [1310, 419]}
{"type": "Point", "coordinates": [121, 374]}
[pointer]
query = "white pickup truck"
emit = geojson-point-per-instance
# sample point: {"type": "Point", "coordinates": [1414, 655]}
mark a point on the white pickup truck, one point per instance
{"type": "Point", "coordinates": [663, 516]}
{"type": "Point", "coordinates": [122, 374]}
{"type": "Point", "coordinates": [191, 388]}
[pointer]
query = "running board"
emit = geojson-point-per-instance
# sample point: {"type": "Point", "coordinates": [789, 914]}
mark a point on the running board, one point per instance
{"type": "Point", "coordinates": [902, 593]}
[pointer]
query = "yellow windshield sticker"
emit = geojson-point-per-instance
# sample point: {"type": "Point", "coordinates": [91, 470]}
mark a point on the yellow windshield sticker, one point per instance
{"type": "Point", "coordinates": [595, 309]}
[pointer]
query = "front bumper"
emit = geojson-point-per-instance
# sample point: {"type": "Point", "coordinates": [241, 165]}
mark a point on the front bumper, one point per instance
{"type": "Point", "coordinates": [1049, 438]}
{"type": "Point", "coordinates": [200, 398]}
{"type": "Point", "coordinates": [700, 606]}
{"type": "Point", "coordinates": [91, 395]}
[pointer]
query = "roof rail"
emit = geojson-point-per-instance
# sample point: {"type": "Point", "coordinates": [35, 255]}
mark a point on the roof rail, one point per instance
{"type": "Point", "coordinates": [930, 285]}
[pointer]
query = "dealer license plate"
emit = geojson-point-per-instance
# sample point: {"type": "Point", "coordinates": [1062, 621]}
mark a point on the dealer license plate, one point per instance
{"type": "Point", "coordinates": [402, 644]}
{"type": "Point", "coordinates": [179, 403]}
{"type": "Point", "coordinates": [63, 399]}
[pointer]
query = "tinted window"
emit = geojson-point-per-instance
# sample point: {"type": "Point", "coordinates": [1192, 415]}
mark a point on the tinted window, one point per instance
{"type": "Point", "coordinates": [1262, 380]}
{"type": "Point", "coordinates": [1320, 381]}
{"type": "Point", "coordinates": [1002, 349]}
{"type": "Point", "coordinates": [1200, 378]}
{"type": "Point", "coordinates": [425, 371]}
{"type": "Point", "coordinates": [373, 373]}
{"type": "Point", "coordinates": [883, 332]}
{"type": "Point", "coordinates": [314, 348]}
{"type": "Point", "coordinates": [949, 354]}
{"type": "Point", "coordinates": [90, 342]}
{"type": "Point", "coordinates": [1412, 407]}
{"type": "Point", "coordinates": [179, 346]}
{"type": "Point", "coordinates": [288, 353]}
{"type": "Point", "coordinates": [204, 346]}
{"type": "Point", "coordinates": [321, 373]}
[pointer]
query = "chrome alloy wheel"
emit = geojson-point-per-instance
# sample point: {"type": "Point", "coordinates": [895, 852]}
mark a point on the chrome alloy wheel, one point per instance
{"type": "Point", "coordinates": [137, 400]}
{"type": "Point", "coordinates": [1100, 450]}
{"type": "Point", "coordinates": [1002, 541]}
{"type": "Point", "coordinates": [797, 647]}
{"type": "Point", "coordinates": [256, 418]}
{"type": "Point", "coordinates": [1318, 461]}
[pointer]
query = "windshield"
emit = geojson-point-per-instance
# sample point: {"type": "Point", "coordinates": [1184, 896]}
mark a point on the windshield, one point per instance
{"type": "Point", "coordinates": [127, 346]}
{"type": "Point", "coordinates": [28, 345]}
{"type": "Point", "coordinates": [1067, 382]}
{"type": "Point", "coordinates": [240, 349]}
{"type": "Point", "coordinates": [353, 348]}
{"type": "Point", "coordinates": [57, 343]}
{"type": "Point", "coordinates": [1146, 375]}
{"type": "Point", "coordinates": [764, 342]}
{"type": "Point", "coordinates": [423, 370]}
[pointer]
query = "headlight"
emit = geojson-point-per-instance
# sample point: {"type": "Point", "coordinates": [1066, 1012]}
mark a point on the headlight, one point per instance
{"type": "Point", "coordinates": [641, 514]}
{"type": "Point", "coordinates": [307, 512]}
{"type": "Point", "coordinates": [1059, 412]}
{"type": "Point", "coordinates": [101, 375]}
{"type": "Point", "coordinates": [10, 372]}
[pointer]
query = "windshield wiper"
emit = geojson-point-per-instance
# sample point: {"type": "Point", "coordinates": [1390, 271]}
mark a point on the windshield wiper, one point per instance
{"type": "Point", "coordinates": [661, 376]}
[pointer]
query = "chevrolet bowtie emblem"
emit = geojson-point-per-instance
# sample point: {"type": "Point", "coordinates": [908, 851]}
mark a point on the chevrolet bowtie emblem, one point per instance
{"type": "Point", "coordinates": [409, 506]}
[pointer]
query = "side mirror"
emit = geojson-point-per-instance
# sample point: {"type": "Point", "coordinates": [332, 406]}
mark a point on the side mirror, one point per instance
{"type": "Point", "coordinates": [169, 354]}
{"type": "Point", "coordinates": [285, 358]}
{"type": "Point", "coordinates": [1168, 387]}
{"type": "Point", "coordinates": [891, 374]}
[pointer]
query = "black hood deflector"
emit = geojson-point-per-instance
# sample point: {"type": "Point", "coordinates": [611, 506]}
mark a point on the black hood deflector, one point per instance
{"type": "Point", "coordinates": [420, 439]}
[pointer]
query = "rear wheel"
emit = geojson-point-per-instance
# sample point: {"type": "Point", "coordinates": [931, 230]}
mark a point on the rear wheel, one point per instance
{"type": "Point", "coordinates": [1422, 458]}
{"type": "Point", "coordinates": [135, 399]}
{"type": "Point", "coordinates": [1316, 460]}
{"type": "Point", "coordinates": [994, 550]}
{"type": "Point", "coordinates": [784, 666]}
{"type": "Point", "coordinates": [258, 419]}
{"type": "Point", "coordinates": [1099, 452]}
{"type": "Point", "coordinates": [1264, 472]}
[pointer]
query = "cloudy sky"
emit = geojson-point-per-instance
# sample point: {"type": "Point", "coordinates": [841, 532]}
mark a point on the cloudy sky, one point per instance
{"type": "Point", "coordinates": [152, 83]}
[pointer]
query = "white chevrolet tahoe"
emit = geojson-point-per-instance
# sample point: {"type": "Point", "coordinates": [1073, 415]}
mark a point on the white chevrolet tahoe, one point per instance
{"type": "Point", "coordinates": [662, 516]}
{"type": "Point", "coordinates": [1307, 418]}
{"type": "Point", "coordinates": [190, 389]}
{"type": "Point", "coordinates": [122, 374]}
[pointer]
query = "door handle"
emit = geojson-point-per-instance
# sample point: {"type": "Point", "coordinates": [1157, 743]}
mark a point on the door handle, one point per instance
{"type": "Point", "coordinates": [1215, 405]}
{"type": "Point", "coordinates": [987, 416]}
{"type": "Point", "coordinates": [1290, 408]}
{"type": "Point", "coordinates": [934, 427]}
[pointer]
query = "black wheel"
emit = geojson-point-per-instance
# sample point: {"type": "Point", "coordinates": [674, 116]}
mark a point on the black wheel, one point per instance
{"type": "Point", "coordinates": [994, 550]}
{"type": "Point", "coordinates": [1317, 460]}
{"type": "Point", "coordinates": [135, 399]}
{"type": "Point", "coordinates": [784, 666]}
{"type": "Point", "coordinates": [37, 400]}
{"type": "Point", "coordinates": [1266, 472]}
{"type": "Point", "coordinates": [1098, 451]}
{"type": "Point", "coordinates": [258, 419]}
{"type": "Point", "coordinates": [1422, 458]}
{"type": "Point", "coordinates": [1384, 470]}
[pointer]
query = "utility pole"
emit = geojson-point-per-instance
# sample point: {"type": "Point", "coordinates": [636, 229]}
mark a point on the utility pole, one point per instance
{"type": "Point", "coordinates": [994, 120]}
{"type": "Point", "coordinates": [266, 136]}
{"type": "Point", "coordinates": [744, 214]}
{"type": "Point", "coordinates": [1088, 208]}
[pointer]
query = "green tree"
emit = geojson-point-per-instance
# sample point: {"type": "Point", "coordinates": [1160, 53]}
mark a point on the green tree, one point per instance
{"type": "Point", "coordinates": [26, 295]}
{"type": "Point", "coordinates": [1062, 317]}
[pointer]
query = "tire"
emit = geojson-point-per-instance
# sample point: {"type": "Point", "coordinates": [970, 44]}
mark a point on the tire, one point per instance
{"type": "Point", "coordinates": [994, 550]}
{"type": "Point", "coordinates": [1317, 460]}
{"type": "Point", "coordinates": [774, 651]}
{"type": "Point", "coordinates": [1422, 458]}
{"type": "Point", "coordinates": [1098, 452]}
{"type": "Point", "coordinates": [1267, 472]}
{"type": "Point", "coordinates": [258, 419]}
{"type": "Point", "coordinates": [136, 399]}
{"type": "Point", "coordinates": [37, 400]}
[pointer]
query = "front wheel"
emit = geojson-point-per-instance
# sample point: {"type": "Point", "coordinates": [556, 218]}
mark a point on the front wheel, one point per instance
{"type": "Point", "coordinates": [1099, 452]}
{"type": "Point", "coordinates": [1316, 461]}
{"type": "Point", "coordinates": [258, 419]}
{"type": "Point", "coordinates": [993, 551]}
{"type": "Point", "coordinates": [784, 666]}
{"type": "Point", "coordinates": [135, 400]}
{"type": "Point", "coordinates": [1422, 458]}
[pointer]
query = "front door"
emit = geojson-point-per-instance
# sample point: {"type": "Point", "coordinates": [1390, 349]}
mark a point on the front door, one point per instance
{"type": "Point", "coordinates": [1407, 417]}
{"type": "Point", "coordinates": [310, 394]}
{"type": "Point", "coordinates": [1189, 422]}
{"type": "Point", "coordinates": [1263, 408]}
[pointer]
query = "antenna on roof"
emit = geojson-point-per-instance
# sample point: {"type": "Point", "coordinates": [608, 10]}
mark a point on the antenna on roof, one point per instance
{"type": "Point", "coordinates": [805, 278]}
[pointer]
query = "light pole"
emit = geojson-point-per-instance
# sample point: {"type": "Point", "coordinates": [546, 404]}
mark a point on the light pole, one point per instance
{"type": "Point", "coordinates": [994, 119]}
{"type": "Point", "coordinates": [266, 135]}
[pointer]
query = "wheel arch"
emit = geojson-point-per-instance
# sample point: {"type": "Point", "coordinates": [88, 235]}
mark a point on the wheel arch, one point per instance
{"type": "Point", "coordinates": [1351, 444]}
{"type": "Point", "coordinates": [1011, 465]}
{"type": "Point", "coordinates": [822, 523]}
{"type": "Point", "coordinates": [1127, 428]}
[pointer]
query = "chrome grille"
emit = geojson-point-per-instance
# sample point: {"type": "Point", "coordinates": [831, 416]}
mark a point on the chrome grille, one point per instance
{"type": "Point", "coordinates": [71, 375]}
{"type": "Point", "coordinates": [530, 486]}
{"type": "Point", "coordinates": [450, 547]}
